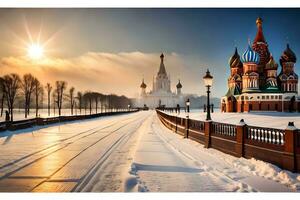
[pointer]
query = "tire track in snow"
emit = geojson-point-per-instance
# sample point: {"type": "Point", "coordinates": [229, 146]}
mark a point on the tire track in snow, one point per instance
{"type": "Point", "coordinates": [85, 182]}
{"type": "Point", "coordinates": [211, 171]}
{"type": "Point", "coordinates": [94, 131]}
{"type": "Point", "coordinates": [239, 177]}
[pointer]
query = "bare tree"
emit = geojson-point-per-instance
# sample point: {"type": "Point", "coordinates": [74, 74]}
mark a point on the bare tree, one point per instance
{"type": "Point", "coordinates": [38, 93]}
{"type": "Point", "coordinates": [11, 85]}
{"type": "Point", "coordinates": [88, 98]}
{"type": "Point", "coordinates": [49, 89]}
{"type": "Point", "coordinates": [79, 97]}
{"type": "Point", "coordinates": [96, 100]}
{"type": "Point", "coordinates": [27, 86]}
{"type": "Point", "coordinates": [71, 96]}
{"type": "Point", "coordinates": [2, 93]}
{"type": "Point", "coordinates": [59, 90]}
{"type": "Point", "coordinates": [54, 102]}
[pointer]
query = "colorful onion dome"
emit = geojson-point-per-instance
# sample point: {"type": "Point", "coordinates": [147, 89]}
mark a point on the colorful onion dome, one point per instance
{"type": "Point", "coordinates": [288, 55]}
{"type": "Point", "coordinates": [271, 64]}
{"type": "Point", "coordinates": [235, 60]}
{"type": "Point", "coordinates": [179, 84]}
{"type": "Point", "coordinates": [250, 56]}
{"type": "Point", "coordinates": [143, 85]}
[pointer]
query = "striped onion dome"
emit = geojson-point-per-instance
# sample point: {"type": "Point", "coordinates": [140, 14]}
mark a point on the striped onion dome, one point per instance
{"type": "Point", "coordinates": [250, 56]}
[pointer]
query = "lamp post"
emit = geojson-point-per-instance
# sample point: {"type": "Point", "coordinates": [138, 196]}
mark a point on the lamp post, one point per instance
{"type": "Point", "coordinates": [128, 107]}
{"type": "Point", "coordinates": [208, 80]}
{"type": "Point", "coordinates": [187, 103]}
{"type": "Point", "coordinates": [187, 124]}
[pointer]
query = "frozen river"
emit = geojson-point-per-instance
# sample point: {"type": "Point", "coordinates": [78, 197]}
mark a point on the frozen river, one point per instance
{"type": "Point", "coordinates": [130, 152]}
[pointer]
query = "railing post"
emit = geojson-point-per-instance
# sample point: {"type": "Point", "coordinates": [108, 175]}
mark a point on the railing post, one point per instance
{"type": "Point", "coordinates": [39, 121]}
{"type": "Point", "coordinates": [187, 126]}
{"type": "Point", "coordinates": [175, 123]}
{"type": "Point", "coordinates": [289, 154]}
{"type": "Point", "coordinates": [207, 133]}
{"type": "Point", "coordinates": [240, 136]}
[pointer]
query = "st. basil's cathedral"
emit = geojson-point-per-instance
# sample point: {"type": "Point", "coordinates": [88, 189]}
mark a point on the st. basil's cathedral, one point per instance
{"type": "Point", "coordinates": [253, 84]}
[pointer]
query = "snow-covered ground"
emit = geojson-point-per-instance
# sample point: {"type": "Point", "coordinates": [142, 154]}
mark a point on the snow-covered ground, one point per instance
{"type": "Point", "coordinates": [130, 152]}
{"type": "Point", "coordinates": [164, 161]}
{"type": "Point", "coordinates": [262, 119]}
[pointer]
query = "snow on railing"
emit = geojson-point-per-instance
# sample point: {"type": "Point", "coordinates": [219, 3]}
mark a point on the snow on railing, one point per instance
{"type": "Point", "coordinates": [224, 129]}
{"type": "Point", "coordinates": [267, 135]}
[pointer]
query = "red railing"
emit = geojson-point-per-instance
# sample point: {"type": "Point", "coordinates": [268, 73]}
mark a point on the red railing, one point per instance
{"type": "Point", "coordinates": [277, 146]}
{"type": "Point", "coordinates": [27, 123]}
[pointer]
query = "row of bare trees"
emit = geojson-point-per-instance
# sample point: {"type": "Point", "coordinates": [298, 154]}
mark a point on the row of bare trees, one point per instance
{"type": "Point", "coordinates": [28, 92]}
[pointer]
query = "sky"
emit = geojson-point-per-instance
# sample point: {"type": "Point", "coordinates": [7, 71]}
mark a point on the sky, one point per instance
{"type": "Point", "coordinates": [111, 50]}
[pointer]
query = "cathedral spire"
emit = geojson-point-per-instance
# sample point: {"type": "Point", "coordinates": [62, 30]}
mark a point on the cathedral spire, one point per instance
{"type": "Point", "coordinates": [259, 35]}
{"type": "Point", "coordinates": [162, 69]}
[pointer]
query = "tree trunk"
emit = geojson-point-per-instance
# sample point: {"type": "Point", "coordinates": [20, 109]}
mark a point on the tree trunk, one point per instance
{"type": "Point", "coordinates": [90, 107]}
{"type": "Point", "coordinates": [48, 104]}
{"type": "Point", "coordinates": [11, 114]}
{"type": "Point", "coordinates": [96, 106]}
{"type": "Point", "coordinates": [2, 104]}
{"type": "Point", "coordinates": [36, 105]}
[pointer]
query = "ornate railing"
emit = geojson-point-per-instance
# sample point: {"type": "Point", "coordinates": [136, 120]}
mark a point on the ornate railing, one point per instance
{"type": "Point", "coordinates": [224, 129]}
{"type": "Point", "coordinates": [266, 135]}
{"type": "Point", "coordinates": [196, 125]}
{"type": "Point", "coordinates": [278, 146]}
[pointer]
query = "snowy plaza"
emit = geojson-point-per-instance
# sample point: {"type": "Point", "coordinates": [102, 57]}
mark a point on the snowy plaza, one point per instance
{"type": "Point", "coordinates": [129, 152]}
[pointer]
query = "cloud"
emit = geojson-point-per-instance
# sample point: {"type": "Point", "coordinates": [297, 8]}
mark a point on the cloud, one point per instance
{"type": "Point", "coordinates": [118, 73]}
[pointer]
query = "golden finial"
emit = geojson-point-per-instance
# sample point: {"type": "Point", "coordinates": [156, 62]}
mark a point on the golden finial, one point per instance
{"type": "Point", "coordinates": [259, 21]}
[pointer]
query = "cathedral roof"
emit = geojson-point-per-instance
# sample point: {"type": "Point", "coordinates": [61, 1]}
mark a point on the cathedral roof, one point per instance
{"type": "Point", "coordinates": [250, 56]}
{"type": "Point", "coordinates": [271, 64]}
{"type": "Point", "coordinates": [235, 60]}
{"type": "Point", "coordinates": [288, 55]}
{"type": "Point", "coordinates": [143, 85]}
{"type": "Point", "coordinates": [179, 84]}
{"type": "Point", "coordinates": [235, 90]}
{"type": "Point", "coordinates": [162, 69]}
{"type": "Point", "coordinates": [259, 35]}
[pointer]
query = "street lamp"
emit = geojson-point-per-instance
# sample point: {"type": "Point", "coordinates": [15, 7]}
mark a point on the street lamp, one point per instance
{"type": "Point", "coordinates": [128, 107]}
{"type": "Point", "coordinates": [187, 103]}
{"type": "Point", "coordinates": [208, 80]}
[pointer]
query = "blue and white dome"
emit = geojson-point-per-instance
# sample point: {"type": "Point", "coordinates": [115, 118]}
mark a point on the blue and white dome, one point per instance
{"type": "Point", "coordinates": [250, 56]}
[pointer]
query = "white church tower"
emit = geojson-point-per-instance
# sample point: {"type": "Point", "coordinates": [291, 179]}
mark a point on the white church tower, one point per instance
{"type": "Point", "coordinates": [161, 94]}
{"type": "Point", "coordinates": [162, 83]}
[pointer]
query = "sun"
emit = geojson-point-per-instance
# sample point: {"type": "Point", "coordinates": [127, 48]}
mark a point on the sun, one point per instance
{"type": "Point", "coordinates": [35, 51]}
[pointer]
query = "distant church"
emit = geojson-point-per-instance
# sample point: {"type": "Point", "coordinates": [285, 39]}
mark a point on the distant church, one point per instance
{"type": "Point", "coordinates": [161, 94]}
{"type": "Point", "coordinates": [253, 84]}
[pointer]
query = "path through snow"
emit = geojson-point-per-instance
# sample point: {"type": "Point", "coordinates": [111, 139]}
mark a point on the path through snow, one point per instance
{"type": "Point", "coordinates": [166, 162]}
